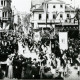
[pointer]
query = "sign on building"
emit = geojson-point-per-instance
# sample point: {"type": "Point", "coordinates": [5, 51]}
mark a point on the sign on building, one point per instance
{"type": "Point", "coordinates": [63, 40]}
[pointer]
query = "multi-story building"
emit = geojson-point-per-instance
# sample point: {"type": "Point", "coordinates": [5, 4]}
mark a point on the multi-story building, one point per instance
{"type": "Point", "coordinates": [16, 18]}
{"type": "Point", "coordinates": [53, 13]}
{"type": "Point", "coordinates": [5, 13]}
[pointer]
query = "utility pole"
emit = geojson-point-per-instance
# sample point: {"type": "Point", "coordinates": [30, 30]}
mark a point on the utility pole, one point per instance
{"type": "Point", "coordinates": [46, 11]}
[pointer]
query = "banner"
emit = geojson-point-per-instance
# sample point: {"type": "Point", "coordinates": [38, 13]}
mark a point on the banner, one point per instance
{"type": "Point", "coordinates": [63, 40]}
{"type": "Point", "coordinates": [37, 36]}
{"type": "Point", "coordinates": [7, 27]}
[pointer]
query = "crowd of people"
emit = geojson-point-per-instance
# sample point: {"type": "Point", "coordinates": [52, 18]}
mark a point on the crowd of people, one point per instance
{"type": "Point", "coordinates": [49, 64]}
{"type": "Point", "coordinates": [8, 44]}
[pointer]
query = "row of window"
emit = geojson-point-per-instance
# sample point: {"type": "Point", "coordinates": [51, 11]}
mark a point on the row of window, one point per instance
{"type": "Point", "coordinates": [54, 6]}
{"type": "Point", "coordinates": [5, 15]}
{"type": "Point", "coordinates": [3, 3]}
{"type": "Point", "coordinates": [54, 16]}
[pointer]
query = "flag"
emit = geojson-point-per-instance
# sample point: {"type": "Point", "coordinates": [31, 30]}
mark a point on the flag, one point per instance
{"type": "Point", "coordinates": [7, 27]}
{"type": "Point", "coordinates": [0, 28]}
{"type": "Point", "coordinates": [45, 10]}
{"type": "Point", "coordinates": [37, 36]}
{"type": "Point", "coordinates": [63, 40]}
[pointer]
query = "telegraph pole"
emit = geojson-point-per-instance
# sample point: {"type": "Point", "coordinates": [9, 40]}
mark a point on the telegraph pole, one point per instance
{"type": "Point", "coordinates": [46, 12]}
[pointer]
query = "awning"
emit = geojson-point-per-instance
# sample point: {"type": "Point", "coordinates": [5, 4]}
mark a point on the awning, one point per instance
{"type": "Point", "coordinates": [66, 24]}
{"type": "Point", "coordinates": [39, 29]}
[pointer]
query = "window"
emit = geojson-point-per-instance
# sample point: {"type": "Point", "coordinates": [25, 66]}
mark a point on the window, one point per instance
{"type": "Point", "coordinates": [54, 16]}
{"type": "Point", "coordinates": [61, 16]}
{"type": "Point", "coordinates": [3, 14]}
{"type": "Point", "coordinates": [47, 5]}
{"type": "Point", "coordinates": [2, 2]}
{"type": "Point", "coordinates": [39, 16]}
{"type": "Point", "coordinates": [47, 16]}
{"type": "Point", "coordinates": [61, 6]}
{"type": "Point", "coordinates": [67, 15]}
{"type": "Point", "coordinates": [53, 6]}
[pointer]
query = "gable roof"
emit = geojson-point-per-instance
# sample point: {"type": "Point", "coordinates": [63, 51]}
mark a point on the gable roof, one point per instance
{"type": "Point", "coordinates": [34, 2]}
{"type": "Point", "coordinates": [56, 1]}
{"type": "Point", "coordinates": [39, 9]}
{"type": "Point", "coordinates": [69, 8]}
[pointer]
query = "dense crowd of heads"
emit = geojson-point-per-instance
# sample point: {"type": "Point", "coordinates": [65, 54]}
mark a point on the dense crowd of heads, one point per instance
{"type": "Point", "coordinates": [28, 68]}
{"type": "Point", "coordinates": [8, 45]}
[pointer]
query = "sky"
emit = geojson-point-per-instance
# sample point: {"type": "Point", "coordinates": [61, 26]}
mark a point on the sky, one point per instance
{"type": "Point", "coordinates": [24, 5]}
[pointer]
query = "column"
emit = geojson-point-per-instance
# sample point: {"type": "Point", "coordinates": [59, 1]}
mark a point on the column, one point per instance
{"type": "Point", "coordinates": [7, 14]}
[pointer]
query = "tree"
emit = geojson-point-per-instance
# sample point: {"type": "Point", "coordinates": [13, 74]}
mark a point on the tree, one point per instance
{"type": "Point", "coordinates": [77, 16]}
{"type": "Point", "coordinates": [26, 20]}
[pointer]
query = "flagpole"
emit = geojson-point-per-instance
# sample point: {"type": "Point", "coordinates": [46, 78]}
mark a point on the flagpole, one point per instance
{"type": "Point", "coordinates": [46, 12]}
{"type": "Point", "coordinates": [74, 4]}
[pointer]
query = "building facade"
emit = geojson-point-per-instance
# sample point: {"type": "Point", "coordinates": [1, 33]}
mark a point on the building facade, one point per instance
{"type": "Point", "coordinates": [16, 18]}
{"type": "Point", "coordinates": [50, 13]}
{"type": "Point", "coordinates": [5, 13]}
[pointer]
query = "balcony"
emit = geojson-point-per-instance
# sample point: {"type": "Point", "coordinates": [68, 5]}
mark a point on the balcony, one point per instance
{"type": "Point", "coordinates": [48, 21]}
{"type": "Point", "coordinates": [5, 18]}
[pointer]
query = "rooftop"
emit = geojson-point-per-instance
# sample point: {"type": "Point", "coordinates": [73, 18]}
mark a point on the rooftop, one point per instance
{"type": "Point", "coordinates": [39, 9]}
{"type": "Point", "coordinates": [69, 8]}
{"type": "Point", "coordinates": [56, 1]}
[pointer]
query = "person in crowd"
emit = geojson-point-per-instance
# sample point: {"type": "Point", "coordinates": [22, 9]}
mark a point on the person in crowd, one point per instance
{"type": "Point", "coordinates": [44, 48]}
{"type": "Point", "coordinates": [47, 73]}
{"type": "Point", "coordinates": [10, 68]}
{"type": "Point", "coordinates": [34, 71]}
{"type": "Point", "coordinates": [28, 72]}
{"type": "Point", "coordinates": [64, 63]}
{"type": "Point", "coordinates": [15, 65]}
{"type": "Point", "coordinates": [59, 77]}
{"type": "Point", "coordinates": [58, 63]}
{"type": "Point", "coordinates": [1, 73]}
{"type": "Point", "coordinates": [54, 61]}
{"type": "Point", "coordinates": [78, 63]}
{"type": "Point", "coordinates": [19, 67]}
{"type": "Point", "coordinates": [24, 66]}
